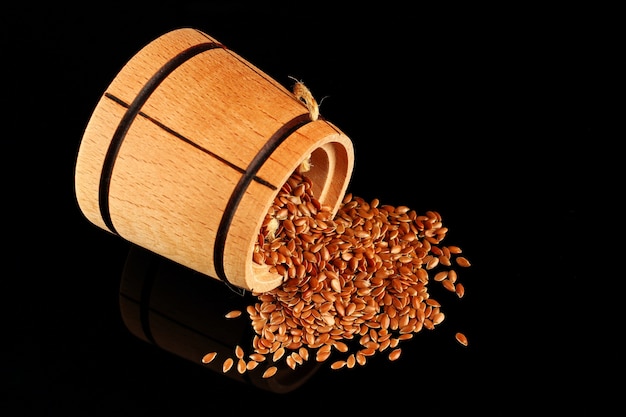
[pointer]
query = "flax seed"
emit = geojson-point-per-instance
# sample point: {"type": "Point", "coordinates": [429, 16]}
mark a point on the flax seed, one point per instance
{"type": "Point", "coordinates": [321, 356]}
{"type": "Point", "coordinates": [461, 338]}
{"type": "Point", "coordinates": [448, 285]}
{"type": "Point", "coordinates": [433, 262]}
{"type": "Point", "coordinates": [459, 289]}
{"type": "Point", "coordinates": [208, 358]}
{"type": "Point", "coordinates": [440, 276]}
{"type": "Point", "coordinates": [233, 314]}
{"type": "Point", "coordinates": [438, 318]}
{"type": "Point", "coordinates": [227, 364]}
{"type": "Point", "coordinates": [242, 366]}
{"type": "Point", "coordinates": [239, 352]}
{"type": "Point", "coordinates": [395, 354]}
{"type": "Point", "coordinates": [462, 261]}
{"type": "Point", "coordinates": [351, 361]}
{"type": "Point", "coordinates": [454, 249]}
{"type": "Point", "coordinates": [362, 273]}
{"type": "Point", "coordinates": [291, 362]}
{"type": "Point", "coordinates": [270, 372]}
{"type": "Point", "coordinates": [340, 346]}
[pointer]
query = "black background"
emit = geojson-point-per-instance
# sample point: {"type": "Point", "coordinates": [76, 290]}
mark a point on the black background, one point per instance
{"type": "Point", "coordinates": [497, 119]}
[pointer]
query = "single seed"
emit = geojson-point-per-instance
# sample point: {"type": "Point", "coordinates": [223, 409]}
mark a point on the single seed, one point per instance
{"type": "Point", "coordinates": [257, 357]}
{"type": "Point", "coordinates": [454, 249]}
{"type": "Point", "coordinates": [239, 352]}
{"type": "Point", "coordinates": [368, 351]}
{"type": "Point", "coordinates": [461, 338]}
{"type": "Point", "coordinates": [233, 314]}
{"type": "Point", "coordinates": [304, 353]}
{"type": "Point", "coordinates": [432, 302]}
{"type": "Point", "coordinates": [395, 354]}
{"type": "Point", "coordinates": [459, 289]}
{"type": "Point", "coordinates": [228, 363]}
{"type": "Point", "coordinates": [241, 366]}
{"type": "Point", "coordinates": [462, 261]}
{"type": "Point", "coordinates": [433, 262]}
{"type": "Point", "coordinates": [270, 372]}
{"type": "Point", "coordinates": [279, 353]}
{"type": "Point", "coordinates": [208, 358]}
{"type": "Point", "coordinates": [448, 285]}
{"type": "Point", "coordinates": [438, 318]}
{"type": "Point", "coordinates": [340, 346]}
{"type": "Point", "coordinates": [351, 361]}
{"type": "Point", "coordinates": [338, 364]}
{"type": "Point", "coordinates": [440, 276]}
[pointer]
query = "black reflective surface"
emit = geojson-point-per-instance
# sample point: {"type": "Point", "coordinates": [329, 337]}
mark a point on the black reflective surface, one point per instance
{"type": "Point", "coordinates": [501, 123]}
{"type": "Point", "coordinates": [184, 313]}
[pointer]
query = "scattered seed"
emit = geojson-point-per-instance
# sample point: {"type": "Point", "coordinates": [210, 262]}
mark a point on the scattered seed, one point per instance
{"type": "Point", "coordinates": [241, 366]}
{"type": "Point", "coordinates": [462, 261]}
{"type": "Point", "coordinates": [208, 358]}
{"type": "Point", "coordinates": [340, 346]}
{"type": "Point", "coordinates": [395, 354]}
{"type": "Point", "coordinates": [461, 338]}
{"type": "Point", "coordinates": [459, 289]}
{"type": "Point", "coordinates": [270, 372]}
{"type": "Point", "coordinates": [360, 273]}
{"type": "Point", "coordinates": [438, 318]}
{"type": "Point", "coordinates": [448, 285]}
{"type": "Point", "coordinates": [228, 363]}
{"type": "Point", "coordinates": [239, 352]}
{"type": "Point", "coordinates": [233, 314]}
{"type": "Point", "coordinates": [279, 353]}
{"type": "Point", "coordinates": [433, 262]}
{"type": "Point", "coordinates": [351, 361]}
{"type": "Point", "coordinates": [304, 353]}
{"type": "Point", "coordinates": [440, 276]}
{"type": "Point", "coordinates": [454, 249]}
{"type": "Point", "coordinates": [257, 357]}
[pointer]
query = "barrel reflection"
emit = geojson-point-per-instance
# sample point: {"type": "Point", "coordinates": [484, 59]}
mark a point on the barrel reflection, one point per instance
{"type": "Point", "coordinates": [183, 312]}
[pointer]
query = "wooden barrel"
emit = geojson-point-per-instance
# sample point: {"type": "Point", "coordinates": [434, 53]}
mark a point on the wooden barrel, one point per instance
{"type": "Point", "coordinates": [187, 149]}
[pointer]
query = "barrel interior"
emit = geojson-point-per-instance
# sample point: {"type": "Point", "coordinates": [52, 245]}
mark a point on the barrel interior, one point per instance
{"type": "Point", "coordinates": [329, 167]}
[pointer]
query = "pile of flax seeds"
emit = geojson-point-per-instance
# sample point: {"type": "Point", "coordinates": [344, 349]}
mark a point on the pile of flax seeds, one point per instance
{"type": "Point", "coordinates": [355, 282]}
